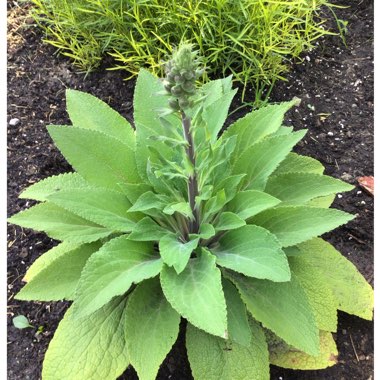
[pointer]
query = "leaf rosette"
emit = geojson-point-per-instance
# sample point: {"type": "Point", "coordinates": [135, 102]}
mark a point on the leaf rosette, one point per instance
{"type": "Point", "coordinates": [176, 219]}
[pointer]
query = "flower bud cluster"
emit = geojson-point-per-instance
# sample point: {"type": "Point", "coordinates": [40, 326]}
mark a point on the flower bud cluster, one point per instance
{"type": "Point", "coordinates": [182, 71]}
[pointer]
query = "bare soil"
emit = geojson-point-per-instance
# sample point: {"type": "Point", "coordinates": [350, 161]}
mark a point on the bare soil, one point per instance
{"type": "Point", "coordinates": [335, 84]}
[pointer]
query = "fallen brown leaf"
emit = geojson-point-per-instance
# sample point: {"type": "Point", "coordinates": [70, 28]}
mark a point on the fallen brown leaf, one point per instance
{"type": "Point", "coordinates": [367, 183]}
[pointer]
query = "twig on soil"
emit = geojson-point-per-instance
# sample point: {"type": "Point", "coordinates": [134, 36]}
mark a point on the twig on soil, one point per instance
{"type": "Point", "coordinates": [353, 346]}
{"type": "Point", "coordinates": [357, 239]}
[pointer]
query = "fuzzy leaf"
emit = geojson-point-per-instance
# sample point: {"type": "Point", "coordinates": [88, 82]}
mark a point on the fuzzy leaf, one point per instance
{"type": "Point", "coordinates": [196, 293]}
{"type": "Point", "coordinates": [216, 113]}
{"type": "Point", "coordinates": [100, 159]}
{"type": "Point", "coordinates": [21, 322]}
{"type": "Point", "coordinates": [229, 221]}
{"type": "Point", "coordinates": [213, 358]}
{"type": "Point", "coordinates": [285, 356]}
{"type": "Point", "coordinates": [58, 280]}
{"type": "Point", "coordinates": [42, 189]}
{"type": "Point", "coordinates": [60, 224]}
{"type": "Point", "coordinates": [351, 291]}
{"type": "Point", "coordinates": [257, 124]}
{"type": "Point", "coordinates": [253, 251]}
{"type": "Point", "coordinates": [322, 202]}
{"type": "Point", "coordinates": [237, 321]}
{"type": "Point", "coordinates": [250, 202]}
{"type": "Point", "coordinates": [91, 348]}
{"type": "Point", "coordinates": [229, 185]}
{"type": "Point", "coordinates": [206, 231]}
{"type": "Point", "coordinates": [281, 307]}
{"type": "Point", "coordinates": [298, 188]}
{"type": "Point", "coordinates": [151, 328]}
{"type": "Point", "coordinates": [147, 230]}
{"type": "Point", "coordinates": [295, 163]}
{"type": "Point", "coordinates": [147, 201]}
{"type": "Point", "coordinates": [112, 270]}
{"type": "Point", "coordinates": [261, 159]}
{"type": "Point", "coordinates": [181, 207]}
{"type": "Point", "coordinates": [102, 206]}
{"type": "Point", "coordinates": [176, 253]}
{"type": "Point", "coordinates": [134, 190]}
{"type": "Point", "coordinates": [295, 224]}
{"type": "Point", "coordinates": [89, 112]}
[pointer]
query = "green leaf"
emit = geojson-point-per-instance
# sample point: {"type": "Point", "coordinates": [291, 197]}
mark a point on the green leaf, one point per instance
{"type": "Point", "coordinates": [298, 188]}
{"type": "Point", "coordinates": [89, 112]}
{"type": "Point", "coordinates": [182, 208]}
{"type": "Point", "coordinates": [47, 258]}
{"type": "Point", "coordinates": [216, 113]}
{"type": "Point", "coordinates": [214, 89]}
{"type": "Point", "coordinates": [214, 204]}
{"type": "Point", "coordinates": [147, 103]}
{"type": "Point", "coordinates": [257, 124]}
{"type": "Point", "coordinates": [149, 200]}
{"type": "Point", "coordinates": [319, 294]}
{"type": "Point", "coordinates": [102, 206]}
{"type": "Point", "coordinates": [295, 224]}
{"type": "Point", "coordinates": [91, 348]}
{"type": "Point", "coordinates": [229, 185]}
{"type": "Point", "coordinates": [60, 224]}
{"type": "Point", "coordinates": [229, 221]}
{"type": "Point", "coordinates": [250, 202]}
{"type": "Point", "coordinates": [151, 328]}
{"type": "Point", "coordinates": [295, 163]}
{"type": "Point", "coordinates": [175, 253]}
{"type": "Point", "coordinates": [21, 322]}
{"type": "Point", "coordinates": [206, 231]}
{"type": "Point", "coordinates": [147, 230]}
{"type": "Point", "coordinates": [237, 321]}
{"type": "Point", "coordinates": [196, 294]}
{"type": "Point", "coordinates": [112, 270]}
{"type": "Point", "coordinates": [351, 291]}
{"type": "Point", "coordinates": [134, 190]}
{"type": "Point", "coordinates": [42, 189]}
{"type": "Point", "coordinates": [58, 280]}
{"type": "Point", "coordinates": [285, 356]}
{"type": "Point", "coordinates": [100, 159]}
{"type": "Point", "coordinates": [213, 358]}
{"type": "Point", "coordinates": [322, 202]}
{"type": "Point", "coordinates": [261, 159]}
{"type": "Point", "coordinates": [281, 307]}
{"type": "Point", "coordinates": [253, 251]}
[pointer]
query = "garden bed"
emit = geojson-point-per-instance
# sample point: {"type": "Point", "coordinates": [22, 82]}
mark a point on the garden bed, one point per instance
{"type": "Point", "coordinates": [335, 84]}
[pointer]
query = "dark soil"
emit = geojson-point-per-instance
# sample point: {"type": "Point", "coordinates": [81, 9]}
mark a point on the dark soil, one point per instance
{"type": "Point", "coordinates": [335, 84]}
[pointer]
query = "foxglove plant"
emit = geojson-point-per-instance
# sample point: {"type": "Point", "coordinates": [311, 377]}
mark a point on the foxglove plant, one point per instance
{"type": "Point", "coordinates": [174, 220]}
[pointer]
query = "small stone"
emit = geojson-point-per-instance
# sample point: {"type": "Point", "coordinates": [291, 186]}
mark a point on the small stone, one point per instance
{"type": "Point", "coordinates": [362, 202]}
{"type": "Point", "coordinates": [349, 134]}
{"type": "Point", "coordinates": [340, 196]}
{"type": "Point", "coordinates": [346, 177]}
{"type": "Point", "coordinates": [344, 331]}
{"type": "Point", "coordinates": [330, 134]}
{"type": "Point", "coordinates": [362, 357]}
{"type": "Point", "coordinates": [359, 192]}
{"type": "Point", "coordinates": [23, 253]}
{"type": "Point", "coordinates": [14, 122]}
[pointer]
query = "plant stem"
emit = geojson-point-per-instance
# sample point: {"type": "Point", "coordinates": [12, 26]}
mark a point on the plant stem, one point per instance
{"type": "Point", "coordinates": [192, 184]}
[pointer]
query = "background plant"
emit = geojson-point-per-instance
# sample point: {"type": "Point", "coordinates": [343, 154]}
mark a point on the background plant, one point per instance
{"type": "Point", "coordinates": [252, 39]}
{"type": "Point", "coordinates": [174, 220]}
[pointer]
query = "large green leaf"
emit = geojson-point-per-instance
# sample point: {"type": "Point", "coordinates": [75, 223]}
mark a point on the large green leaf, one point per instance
{"type": "Point", "coordinates": [91, 348]}
{"type": "Point", "coordinates": [42, 189]}
{"type": "Point", "coordinates": [282, 308]}
{"type": "Point", "coordinates": [256, 125]}
{"type": "Point", "coordinates": [176, 253]}
{"type": "Point", "coordinates": [295, 224]}
{"type": "Point", "coordinates": [228, 221]}
{"type": "Point", "coordinates": [89, 112]}
{"type": "Point", "coordinates": [149, 200]}
{"type": "Point", "coordinates": [295, 163]}
{"type": "Point", "coordinates": [250, 202]}
{"type": "Point", "coordinates": [285, 356]}
{"type": "Point", "coordinates": [253, 251]}
{"type": "Point", "coordinates": [112, 270]}
{"type": "Point", "coordinates": [351, 291]}
{"type": "Point", "coordinates": [298, 188]}
{"type": "Point", "coordinates": [196, 293]}
{"type": "Point", "coordinates": [151, 328]}
{"type": "Point", "coordinates": [58, 279]}
{"type": "Point", "coordinates": [216, 113]}
{"type": "Point", "coordinates": [319, 294]}
{"type": "Point", "coordinates": [100, 159]}
{"type": "Point", "coordinates": [60, 224]}
{"type": "Point", "coordinates": [148, 103]}
{"type": "Point", "coordinates": [134, 190]}
{"type": "Point", "coordinates": [147, 230]}
{"type": "Point", "coordinates": [237, 321]}
{"type": "Point", "coordinates": [213, 358]}
{"type": "Point", "coordinates": [102, 206]}
{"type": "Point", "coordinates": [262, 158]}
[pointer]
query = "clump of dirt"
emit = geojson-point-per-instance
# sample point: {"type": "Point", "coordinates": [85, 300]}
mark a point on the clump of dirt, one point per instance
{"type": "Point", "coordinates": [335, 84]}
